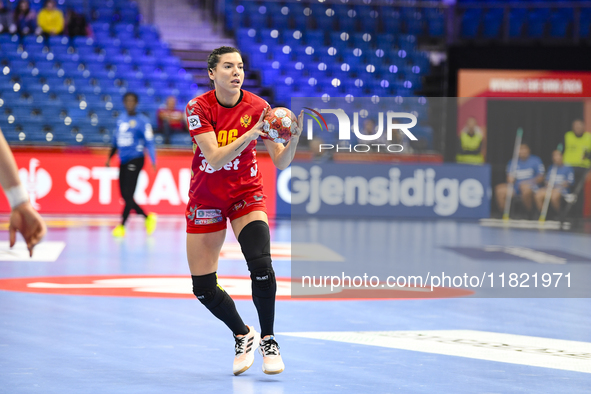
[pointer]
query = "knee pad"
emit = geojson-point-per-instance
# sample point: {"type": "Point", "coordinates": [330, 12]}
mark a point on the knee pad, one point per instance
{"type": "Point", "coordinates": [255, 242]}
{"type": "Point", "coordinates": [205, 288]}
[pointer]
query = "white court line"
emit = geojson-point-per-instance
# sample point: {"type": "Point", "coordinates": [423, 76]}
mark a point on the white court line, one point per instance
{"type": "Point", "coordinates": [482, 345]}
{"type": "Point", "coordinates": [46, 251]}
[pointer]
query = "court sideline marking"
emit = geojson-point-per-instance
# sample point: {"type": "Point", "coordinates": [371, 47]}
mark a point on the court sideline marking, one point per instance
{"type": "Point", "coordinates": [481, 345]}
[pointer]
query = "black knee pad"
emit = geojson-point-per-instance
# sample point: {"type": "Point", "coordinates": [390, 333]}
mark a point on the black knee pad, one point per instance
{"type": "Point", "coordinates": [205, 288]}
{"type": "Point", "coordinates": [255, 242]}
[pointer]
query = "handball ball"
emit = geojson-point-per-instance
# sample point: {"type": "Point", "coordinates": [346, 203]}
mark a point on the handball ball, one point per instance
{"type": "Point", "coordinates": [279, 124]}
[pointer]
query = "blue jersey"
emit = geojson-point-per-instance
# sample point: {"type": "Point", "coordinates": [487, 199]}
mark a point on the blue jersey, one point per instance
{"type": "Point", "coordinates": [132, 135]}
{"type": "Point", "coordinates": [563, 174]}
{"type": "Point", "coordinates": [527, 170]}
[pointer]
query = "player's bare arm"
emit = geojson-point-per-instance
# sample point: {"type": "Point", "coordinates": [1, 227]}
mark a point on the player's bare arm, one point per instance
{"type": "Point", "coordinates": [282, 155]}
{"type": "Point", "coordinates": [217, 156]}
{"type": "Point", "coordinates": [23, 217]}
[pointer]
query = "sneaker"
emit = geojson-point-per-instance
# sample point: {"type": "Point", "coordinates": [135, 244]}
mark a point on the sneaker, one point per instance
{"type": "Point", "coordinates": [119, 231]}
{"type": "Point", "coordinates": [272, 362]}
{"type": "Point", "coordinates": [245, 348]}
{"type": "Point", "coordinates": [151, 220]}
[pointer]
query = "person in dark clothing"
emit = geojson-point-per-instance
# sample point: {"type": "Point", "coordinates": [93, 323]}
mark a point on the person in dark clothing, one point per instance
{"type": "Point", "coordinates": [133, 135]}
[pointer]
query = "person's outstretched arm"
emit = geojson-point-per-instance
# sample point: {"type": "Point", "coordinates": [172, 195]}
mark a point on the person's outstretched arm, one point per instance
{"type": "Point", "coordinates": [23, 218]}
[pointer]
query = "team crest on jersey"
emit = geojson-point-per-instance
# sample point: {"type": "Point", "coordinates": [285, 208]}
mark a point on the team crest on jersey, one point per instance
{"type": "Point", "coordinates": [245, 120]}
{"type": "Point", "coordinates": [132, 123]}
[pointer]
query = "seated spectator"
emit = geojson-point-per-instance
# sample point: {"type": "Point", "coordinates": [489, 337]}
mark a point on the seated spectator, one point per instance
{"type": "Point", "coordinates": [528, 175]}
{"type": "Point", "coordinates": [565, 177]}
{"type": "Point", "coordinates": [319, 155]}
{"type": "Point", "coordinates": [170, 119]}
{"type": "Point", "coordinates": [51, 19]}
{"type": "Point", "coordinates": [4, 18]}
{"type": "Point", "coordinates": [24, 18]}
{"type": "Point", "coordinates": [76, 24]}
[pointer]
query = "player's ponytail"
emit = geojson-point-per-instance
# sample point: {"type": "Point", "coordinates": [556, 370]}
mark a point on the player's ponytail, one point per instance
{"type": "Point", "coordinates": [214, 59]}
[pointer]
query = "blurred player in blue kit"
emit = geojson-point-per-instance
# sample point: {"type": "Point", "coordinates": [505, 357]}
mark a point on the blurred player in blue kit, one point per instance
{"type": "Point", "coordinates": [132, 137]}
{"type": "Point", "coordinates": [528, 175]}
{"type": "Point", "coordinates": [565, 176]}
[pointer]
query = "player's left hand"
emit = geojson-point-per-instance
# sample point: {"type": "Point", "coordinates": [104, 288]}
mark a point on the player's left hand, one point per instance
{"type": "Point", "coordinates": [29, 223]}
{"type": "Point", "coordinates": [297, 132]}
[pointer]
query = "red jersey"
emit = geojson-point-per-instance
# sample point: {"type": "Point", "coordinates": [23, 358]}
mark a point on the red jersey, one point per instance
{"type": "Point", "coordinates": [174, 116]}
{"type": "Point", "coordinates": [205, 114]}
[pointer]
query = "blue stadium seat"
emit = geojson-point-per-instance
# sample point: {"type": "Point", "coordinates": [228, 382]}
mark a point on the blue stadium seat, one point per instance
{"type": "Point", "coordinates": [80, 42]}
{"type": "Point", "coordinates": [585, 22]}
{"type": "Point", "coordinates": [148, 33]}
{"type": "Point", "coordinates": [560, 20]}
{"type": "Point", "coordinates": [104, 14]}
{"type": "Point", "coordinates": [536, 22]}
{"type": "Point", "coordinates": [55, 41]}
{"type": "Point", "coordinates": [493, 21]}
{"type": "Point", "coordinates": [129, 15]}
{"type": "Point", "coordinates": [8, 38]}
{"type": "Point", "coordinates": [471, 22]}
{"type": "Point", "coordinates": [517, 17]}
{"type": "Point", "coordinates": [10, 48]}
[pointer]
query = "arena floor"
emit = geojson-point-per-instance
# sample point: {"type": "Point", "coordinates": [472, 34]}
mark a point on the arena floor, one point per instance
{"type": "Point", "coordinates": [93, 314]}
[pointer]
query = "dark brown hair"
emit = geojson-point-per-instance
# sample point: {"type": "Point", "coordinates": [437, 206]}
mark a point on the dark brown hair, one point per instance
{"type": "Point", "coordinates": [132, 94]}
{"type": "Point", "coordinates": [214, 58]}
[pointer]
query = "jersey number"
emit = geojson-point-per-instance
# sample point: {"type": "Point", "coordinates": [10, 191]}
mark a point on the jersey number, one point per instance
{"type": "Point", "coordinates": [226, 137]}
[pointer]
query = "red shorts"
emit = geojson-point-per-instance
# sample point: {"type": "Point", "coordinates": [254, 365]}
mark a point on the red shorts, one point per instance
{"type": "Point", "coordinates": [209, 218]}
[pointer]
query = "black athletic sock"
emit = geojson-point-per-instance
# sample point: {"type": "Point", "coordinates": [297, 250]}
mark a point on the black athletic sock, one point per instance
{"type": "Point", "coordinates": [219, 303]}
{"type": "Point", "coordinates": [255, 242]}
{"type": "Point", "coordinates": [264, 301]}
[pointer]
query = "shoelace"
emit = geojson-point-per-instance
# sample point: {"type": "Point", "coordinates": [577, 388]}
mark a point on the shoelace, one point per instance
{"type": "Point", "coordinates": [270, 347]}
{"type": "Point", "coordinates": [239, 347]}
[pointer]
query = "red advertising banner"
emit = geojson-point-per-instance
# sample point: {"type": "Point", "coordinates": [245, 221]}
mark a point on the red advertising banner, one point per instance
{"type": "Point", "coordinates": [64, 182]}
{"type": "Point", "coordinates": [523, 83]}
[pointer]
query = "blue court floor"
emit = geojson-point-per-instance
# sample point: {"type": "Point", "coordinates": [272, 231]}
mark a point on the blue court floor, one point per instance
{"type": "Point", "coordinates": [94, 314]}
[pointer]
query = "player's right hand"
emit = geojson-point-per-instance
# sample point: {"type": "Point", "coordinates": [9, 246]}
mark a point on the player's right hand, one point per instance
{"type": "Point", "coordinates": [257, 129]}
{"type": "Point", "coordinates": [29, 223]}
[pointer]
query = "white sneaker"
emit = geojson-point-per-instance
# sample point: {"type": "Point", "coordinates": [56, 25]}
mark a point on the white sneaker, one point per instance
{"type": "Point", "coordinates": [245, 348]}
{"type": "Point", "coordinates": [272, 362]}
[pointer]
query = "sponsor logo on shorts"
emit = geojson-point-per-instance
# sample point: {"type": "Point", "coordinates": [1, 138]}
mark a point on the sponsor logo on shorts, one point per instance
{"type": "Point", "coordinates": [208, 213]}
{"type": "Point", "coordinates": [209, 221]}
{"type": "Point", "coordinates": [239, 205]}
{"type": "Point", "coordinates": [194, 122]}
